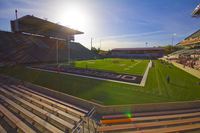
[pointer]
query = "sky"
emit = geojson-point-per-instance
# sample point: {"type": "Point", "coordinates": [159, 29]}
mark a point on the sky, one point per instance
{"type": "Point", "coordinates": [112, 23]}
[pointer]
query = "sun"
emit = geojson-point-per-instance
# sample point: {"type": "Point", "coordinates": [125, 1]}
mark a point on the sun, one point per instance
{"type": "Point", "coordinates": [74, 17]}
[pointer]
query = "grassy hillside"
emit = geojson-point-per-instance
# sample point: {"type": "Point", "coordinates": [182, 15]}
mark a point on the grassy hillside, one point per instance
{"type": "Point", "coordinates": [182, 86]}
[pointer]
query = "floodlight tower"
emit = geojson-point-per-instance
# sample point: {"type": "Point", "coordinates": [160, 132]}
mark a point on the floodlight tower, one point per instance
{"type": "Point", "coordinates": [57, 52]}
{"type": "Point", "coordinates": [68, 42]}
{"type": "Point", "coordinates": [91, 42]}
{"type": "Point", "coordinates": [146, 44]}
{"type": "Point", "coordinates": [173, 36]}
{"type": "Point", "coordinates": [16, 22]}
{"type": "Point", "coordinates": [100, 45]}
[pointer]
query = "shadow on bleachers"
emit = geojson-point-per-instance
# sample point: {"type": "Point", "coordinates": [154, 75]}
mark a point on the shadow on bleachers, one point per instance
{"type": "Point", "coordinates": [16, 48]}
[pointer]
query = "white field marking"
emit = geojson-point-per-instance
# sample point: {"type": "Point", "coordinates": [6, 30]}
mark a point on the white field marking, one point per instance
{"type": "Point", "coordinates": [91, 62]}
{"type": "Point", "coordinates": [126, 69]}
{"type": "Point", "coordinates": [136, 64]}
{"type": "Point", "coordinates": [77, 75]}
{"type": "Point", "coordinates": [144, 78]}
{"type": "Point", "coordinates": [122, 64]}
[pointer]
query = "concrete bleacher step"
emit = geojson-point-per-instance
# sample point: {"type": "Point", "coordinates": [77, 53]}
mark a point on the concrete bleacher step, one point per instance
{"type": "Point", "coordinates": [44, 105]}
{"type": "Point", "coordinates": [62, 124]}
{"type": "Point", "coordinates": [56, 100]}
{"type": "Point", "coordinates": [174, 129]}
{"type": "Point", "coordinates": [2, 130]}
{"type": "Point", "coordinates": [116, 116]}
{"type": "Point", "coordinates": [19, 124]}
{"type": "Point", "coordinates": [154, 124]}
{"type": "Point", "coordinates": [32, 116]}
{"type": "Point", "coordinates": [51, 101]}
{"type": "Point", "coordinates": [25, 100]}
{"type": "Point", "coordinates": [149, 118]}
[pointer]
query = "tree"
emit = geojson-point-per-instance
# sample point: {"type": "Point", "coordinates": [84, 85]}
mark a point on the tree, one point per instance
{"type": "Point", "coordinates": [170, 49]}
{"type": "Point", "coordinates": [94, 50]}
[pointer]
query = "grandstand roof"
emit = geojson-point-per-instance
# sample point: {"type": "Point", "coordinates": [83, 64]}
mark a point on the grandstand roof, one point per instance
{"type": "Point", "coordinates": [196, 12]}
{"type": "Point", "coordinates": [137, 49]}
{"type": "Point", "coordinates": [192, 39]}
{"type": "Point", "coordinates": [35, 25]}
{"type": "Point", "coordinates": [193, 35]}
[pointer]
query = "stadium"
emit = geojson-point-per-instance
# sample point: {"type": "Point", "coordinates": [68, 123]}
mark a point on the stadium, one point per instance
{"type": "Point", "coordinates": [51, 83]}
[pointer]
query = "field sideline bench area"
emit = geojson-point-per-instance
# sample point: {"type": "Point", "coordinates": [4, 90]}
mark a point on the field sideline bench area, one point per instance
{"type": "Point", "coordinates": [27, 111]}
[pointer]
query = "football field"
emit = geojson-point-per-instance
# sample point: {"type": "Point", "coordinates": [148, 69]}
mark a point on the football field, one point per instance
{"type": "Point", "coordinates": [182, 86]}
{"type": "Point", "coordinates": [125, 66]}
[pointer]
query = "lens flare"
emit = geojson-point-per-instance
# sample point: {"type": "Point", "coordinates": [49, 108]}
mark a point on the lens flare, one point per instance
{"type": "Point", "coordinates": [129, 114]}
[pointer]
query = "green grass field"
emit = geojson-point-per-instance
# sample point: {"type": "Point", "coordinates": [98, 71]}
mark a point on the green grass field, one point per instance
{"type": "Point", "coordinates": [125, 66]}
{"type": "Point", "coordinates": [182, 87]}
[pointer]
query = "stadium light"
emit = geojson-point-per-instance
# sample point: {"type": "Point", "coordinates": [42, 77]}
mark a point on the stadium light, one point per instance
{"type": "Point", "coordinates": [146, 44]}
{"type": "Point", "coordinates": [16, 22]}
{"type": "Point", "coordinates": [57, 52]}
{"type": "Point", "coordinates": [100, 45]}
{"type": "Point", "coordinates": [91, 42]}
{"type": "Point", "coordinates": [173, 36]}
{"type": "Point", "coordinates": [68, 42]}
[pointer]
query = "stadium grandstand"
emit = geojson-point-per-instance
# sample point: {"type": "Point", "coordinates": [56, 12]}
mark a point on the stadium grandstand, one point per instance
{"type": "Point", "coordinates": [34, 25]}
{"type": "Point", "coordinates": [191, 41]}
{"type": "Point", "coordinates": [191, 46]}
{"type": "Point", "coordinates": [190, 55]}
{"type": "Point", "coordinates": [36, 41]}
{"type": "Point", "coordinates": [149, 52]}
{"type": "Point", "coordinates": [40, 93]}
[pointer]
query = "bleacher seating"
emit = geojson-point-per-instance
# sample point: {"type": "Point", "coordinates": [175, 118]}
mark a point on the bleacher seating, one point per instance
{"type": "Point", "coordinates": [187, 57]}
{"type": "Point", "coordinates": [152, 122]}
{"type": "Point", "coordinates": [185, 51]}
{"type": "Point", "coordinates": [22, 48]}
{"type": "Point", "coordinates": [24, 110]}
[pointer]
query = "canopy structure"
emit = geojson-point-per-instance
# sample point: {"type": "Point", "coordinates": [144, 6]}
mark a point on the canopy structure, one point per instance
{"type": "Point", "coordinates": [33, 25]}
{"type": "Point", "coordinates": [196, 12]}
{"type": "Point", "coordinates": [191, 40]}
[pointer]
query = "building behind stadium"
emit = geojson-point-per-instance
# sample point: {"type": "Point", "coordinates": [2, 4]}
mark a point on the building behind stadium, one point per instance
{"type": "Point", "coordinates": [149, 52]}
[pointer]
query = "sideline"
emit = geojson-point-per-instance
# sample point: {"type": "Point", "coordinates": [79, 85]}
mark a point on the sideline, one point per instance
{"type": "Point", "coordinates": [144, 78]}
{"type": "Point", "coordinates": [77, 75]}
{"type": "Point", "coordinates": [141, 84]}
